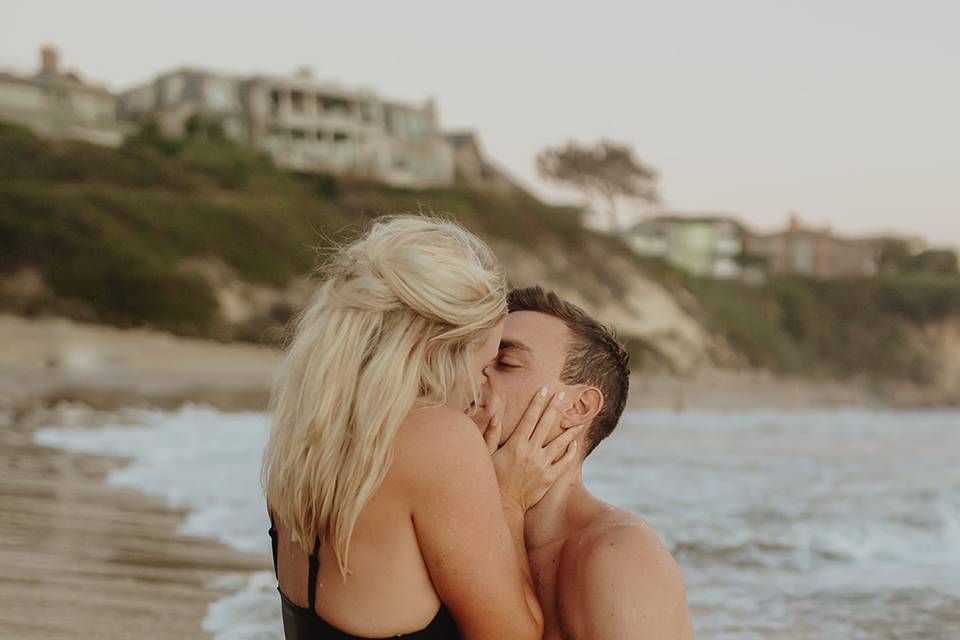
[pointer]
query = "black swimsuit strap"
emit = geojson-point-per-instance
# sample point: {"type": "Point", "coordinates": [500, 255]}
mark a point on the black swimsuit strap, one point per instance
{"type": "Point", "coordinates": [273, 544]}
{"type": "Point", "coordinates": [314, 563]}
{"type": "Point", "coordinates": [312, 578]}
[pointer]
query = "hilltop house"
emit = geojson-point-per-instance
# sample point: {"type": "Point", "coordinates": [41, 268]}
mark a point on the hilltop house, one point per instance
{"type": "Point", "coordinates": [814, 252]}
{"type": "Point", "coordinates": [58, 104]}
{"type": "Point", "coordinates": [303, 123]}
{"type": "Point", "coordinates": [702, 245]}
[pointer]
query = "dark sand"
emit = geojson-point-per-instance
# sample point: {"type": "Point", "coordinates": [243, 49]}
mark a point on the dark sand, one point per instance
{"type": "Point", "coordinates": [83, 560]}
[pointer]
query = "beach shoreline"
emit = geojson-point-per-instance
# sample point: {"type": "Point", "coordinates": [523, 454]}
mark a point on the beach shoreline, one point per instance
{"type": "Point", "coordinates": [52, 360]}
{"type": "Point", "coordinates": [83, 558]}
{"type": "Point", "coordinates": [80, 554]}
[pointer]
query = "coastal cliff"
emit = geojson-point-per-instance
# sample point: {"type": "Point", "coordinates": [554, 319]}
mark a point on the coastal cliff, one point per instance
{"type": "Point", "coordinates": [205, 239]}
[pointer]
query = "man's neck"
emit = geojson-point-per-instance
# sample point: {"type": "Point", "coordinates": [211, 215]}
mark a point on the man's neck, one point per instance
{"type": "Point", "coordinates": [560, 511]}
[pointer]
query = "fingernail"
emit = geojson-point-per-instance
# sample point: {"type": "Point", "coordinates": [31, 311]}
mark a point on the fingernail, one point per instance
{"type": "Point", "coordinates": [561, 395]}
{"type": "Point", "coordinates": [543, 392]}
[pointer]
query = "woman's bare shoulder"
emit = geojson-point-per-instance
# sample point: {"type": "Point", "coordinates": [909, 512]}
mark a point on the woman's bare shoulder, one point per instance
{"type": "Point", "coordinates": [433, 441]}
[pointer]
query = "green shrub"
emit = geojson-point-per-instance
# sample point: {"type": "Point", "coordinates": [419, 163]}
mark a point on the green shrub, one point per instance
{"type": "Point", "coordinates": [752, 322]}
{"type": "Point", "coordinates": [109, 230]}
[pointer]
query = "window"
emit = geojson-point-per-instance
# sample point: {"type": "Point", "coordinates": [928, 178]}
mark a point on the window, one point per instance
{"type": "Point", "coordinates": [340, 136]}
{"type": "Point", "coordinates": [173, 87]}
{"type": "Point", "coordinates": [321, 135]}
{"type": "Point", "coordinates": [220, 94]}
{"type": "Point", "coordinates": [332, 104]}
{"type": "Point", "coordinates": [274, 101]}
{"type": "Point", "coordinates": [298, 134]}
{"type": "Point", "coordinates": [296, 100]}
{"type": "Point", "coordinates": [366, 112]}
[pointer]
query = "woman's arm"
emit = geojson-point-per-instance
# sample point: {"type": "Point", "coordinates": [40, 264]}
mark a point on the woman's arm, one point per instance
{"type": "Point", "coordinates": [526, 465]}
{"type": "Point", "coordinates": [470, 532]}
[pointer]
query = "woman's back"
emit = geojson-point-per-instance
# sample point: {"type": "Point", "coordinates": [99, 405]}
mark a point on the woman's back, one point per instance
{"type": "Point", "coordinates": [404, 497]}
{"type": "Point", "coordinates": [389, 590]}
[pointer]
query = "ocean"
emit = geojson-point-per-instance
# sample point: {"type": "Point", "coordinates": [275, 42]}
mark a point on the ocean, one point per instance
{"type": "Point", "coordinates": [802, 524]}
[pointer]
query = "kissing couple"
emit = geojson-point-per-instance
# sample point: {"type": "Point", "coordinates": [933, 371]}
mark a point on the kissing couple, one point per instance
{"type": "Point", "coordinates": [423, 475]}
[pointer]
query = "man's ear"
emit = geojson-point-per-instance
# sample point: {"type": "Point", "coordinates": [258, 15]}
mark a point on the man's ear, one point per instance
{"type": "Point", "coordinates": [583, 408]}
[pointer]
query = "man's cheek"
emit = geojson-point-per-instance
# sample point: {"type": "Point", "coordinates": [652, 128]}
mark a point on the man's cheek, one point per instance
{"type": "Point", "coordinates": [491, 405]}
{"type": "Point", "coordinates": [518, 401]}
{"type": "Point", "coordinates": [511, 415]}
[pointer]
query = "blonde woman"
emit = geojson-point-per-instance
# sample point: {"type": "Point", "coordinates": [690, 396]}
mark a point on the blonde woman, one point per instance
{"type": "Point", "coordinates": [388, 516]}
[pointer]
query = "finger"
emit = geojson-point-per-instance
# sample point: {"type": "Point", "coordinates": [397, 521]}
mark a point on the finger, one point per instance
{"type": "Point", "coordinates": [556, 447]}
{"type": "Point", "coordinates": [532, 415]}
{"type": "Point", "coordinates": [491, 434]}
{"type": "Point", "coordinates": [548, 420]}
{"type": "Point", "coordinates": [566, 461]}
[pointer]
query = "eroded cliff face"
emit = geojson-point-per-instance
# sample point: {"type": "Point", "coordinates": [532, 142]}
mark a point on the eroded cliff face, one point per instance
{"type": "Point", "coordinates": [622, 295]}
{"type": "Point", "coordinates": [939, 344]}
{"type": "Point", "coordinates": [950, 350]}
{"type": "Point", "coordinates": [639, 308]}
{"type": "Point", "coordinates": [249, 311]}
{"type": "Point", "coordinates": [666, 323]}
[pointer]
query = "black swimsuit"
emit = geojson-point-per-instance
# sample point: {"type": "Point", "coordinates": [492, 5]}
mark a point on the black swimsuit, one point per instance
{"type": "Point", "coordinates": [303, 623]}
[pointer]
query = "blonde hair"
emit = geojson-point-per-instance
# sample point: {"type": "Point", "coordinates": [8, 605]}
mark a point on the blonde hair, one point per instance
{"type": "Point", "coordinates": [391, 328]}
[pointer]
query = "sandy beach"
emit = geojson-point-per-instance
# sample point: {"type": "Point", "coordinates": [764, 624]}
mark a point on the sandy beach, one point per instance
{"type": "Point", "coordinates": [84, 559]}
{"type": "Point", "coordinates": [50, 360]}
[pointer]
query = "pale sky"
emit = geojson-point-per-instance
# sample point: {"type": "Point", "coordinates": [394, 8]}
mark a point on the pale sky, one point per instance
{"type": "Point", "coordinates": [847, 111]}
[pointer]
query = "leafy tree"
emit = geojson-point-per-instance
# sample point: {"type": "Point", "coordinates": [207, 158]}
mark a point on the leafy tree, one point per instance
{"type": "Point", "coordinates": [935, 261]}
{"type": "Point", "coordinates": [894, 255]}
{"type": "Point", "coordinates": [199, 126]}
{"type": "Point", "coordinates": [606, 170]}
{"type": "Point", "coordinates": [149, 135]}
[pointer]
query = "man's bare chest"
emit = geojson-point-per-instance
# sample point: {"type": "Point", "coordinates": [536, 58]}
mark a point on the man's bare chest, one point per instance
{"type": "Point", "coordinates": [544, 565]}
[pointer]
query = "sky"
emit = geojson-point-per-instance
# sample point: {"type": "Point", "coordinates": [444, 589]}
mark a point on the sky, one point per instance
{"type": "Point", "coordinates": [845, 111]}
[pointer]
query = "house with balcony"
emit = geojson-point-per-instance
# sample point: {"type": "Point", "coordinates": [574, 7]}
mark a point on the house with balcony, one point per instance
{"type": "Point", "coordinates": [172, 98]}
{"type": "Point", "coordinates": [304, 124]}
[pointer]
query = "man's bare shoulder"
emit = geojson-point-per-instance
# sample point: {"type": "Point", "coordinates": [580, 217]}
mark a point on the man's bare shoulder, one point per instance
{"type": "Point", "coordinates": [613, 536]}
{"type": "Point", "coordinates": [622, 582]}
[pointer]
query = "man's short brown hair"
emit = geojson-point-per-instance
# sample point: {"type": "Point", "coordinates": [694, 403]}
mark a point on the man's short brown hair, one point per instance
{"type": "Point", "coordinates": [594, 357]}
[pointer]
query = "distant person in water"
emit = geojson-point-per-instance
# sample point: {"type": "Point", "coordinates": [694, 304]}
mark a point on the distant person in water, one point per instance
{"type": "Point", "coordinates": [600, 573]}
{"type": "Point", "coordinates": [389, 517]}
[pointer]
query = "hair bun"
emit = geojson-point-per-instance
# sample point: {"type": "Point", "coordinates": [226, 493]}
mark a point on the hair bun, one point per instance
{"type": "Point", "coordinates": [433, 267]}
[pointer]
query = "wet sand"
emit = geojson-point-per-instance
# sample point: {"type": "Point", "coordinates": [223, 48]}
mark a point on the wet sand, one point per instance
{"type": "Point", "coordinates": [81, 559]}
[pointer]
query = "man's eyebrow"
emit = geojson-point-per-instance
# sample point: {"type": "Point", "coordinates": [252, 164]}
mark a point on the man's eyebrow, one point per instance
{"type": "Point", "coordinates": [514, 344]}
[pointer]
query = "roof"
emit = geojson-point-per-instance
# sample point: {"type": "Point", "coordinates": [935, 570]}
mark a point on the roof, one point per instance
{"type": "Point", "coordinates": [69, 80]}
{"type": "Point", "coordinates": [701, 218]}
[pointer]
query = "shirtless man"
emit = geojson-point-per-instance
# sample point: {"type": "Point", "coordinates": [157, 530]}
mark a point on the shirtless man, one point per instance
{"type": "Point", "coordinates": [601, 573]}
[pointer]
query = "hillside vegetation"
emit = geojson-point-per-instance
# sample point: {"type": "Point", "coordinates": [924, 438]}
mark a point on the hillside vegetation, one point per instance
{"type": "Point", "coordinates": [112, 235]}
